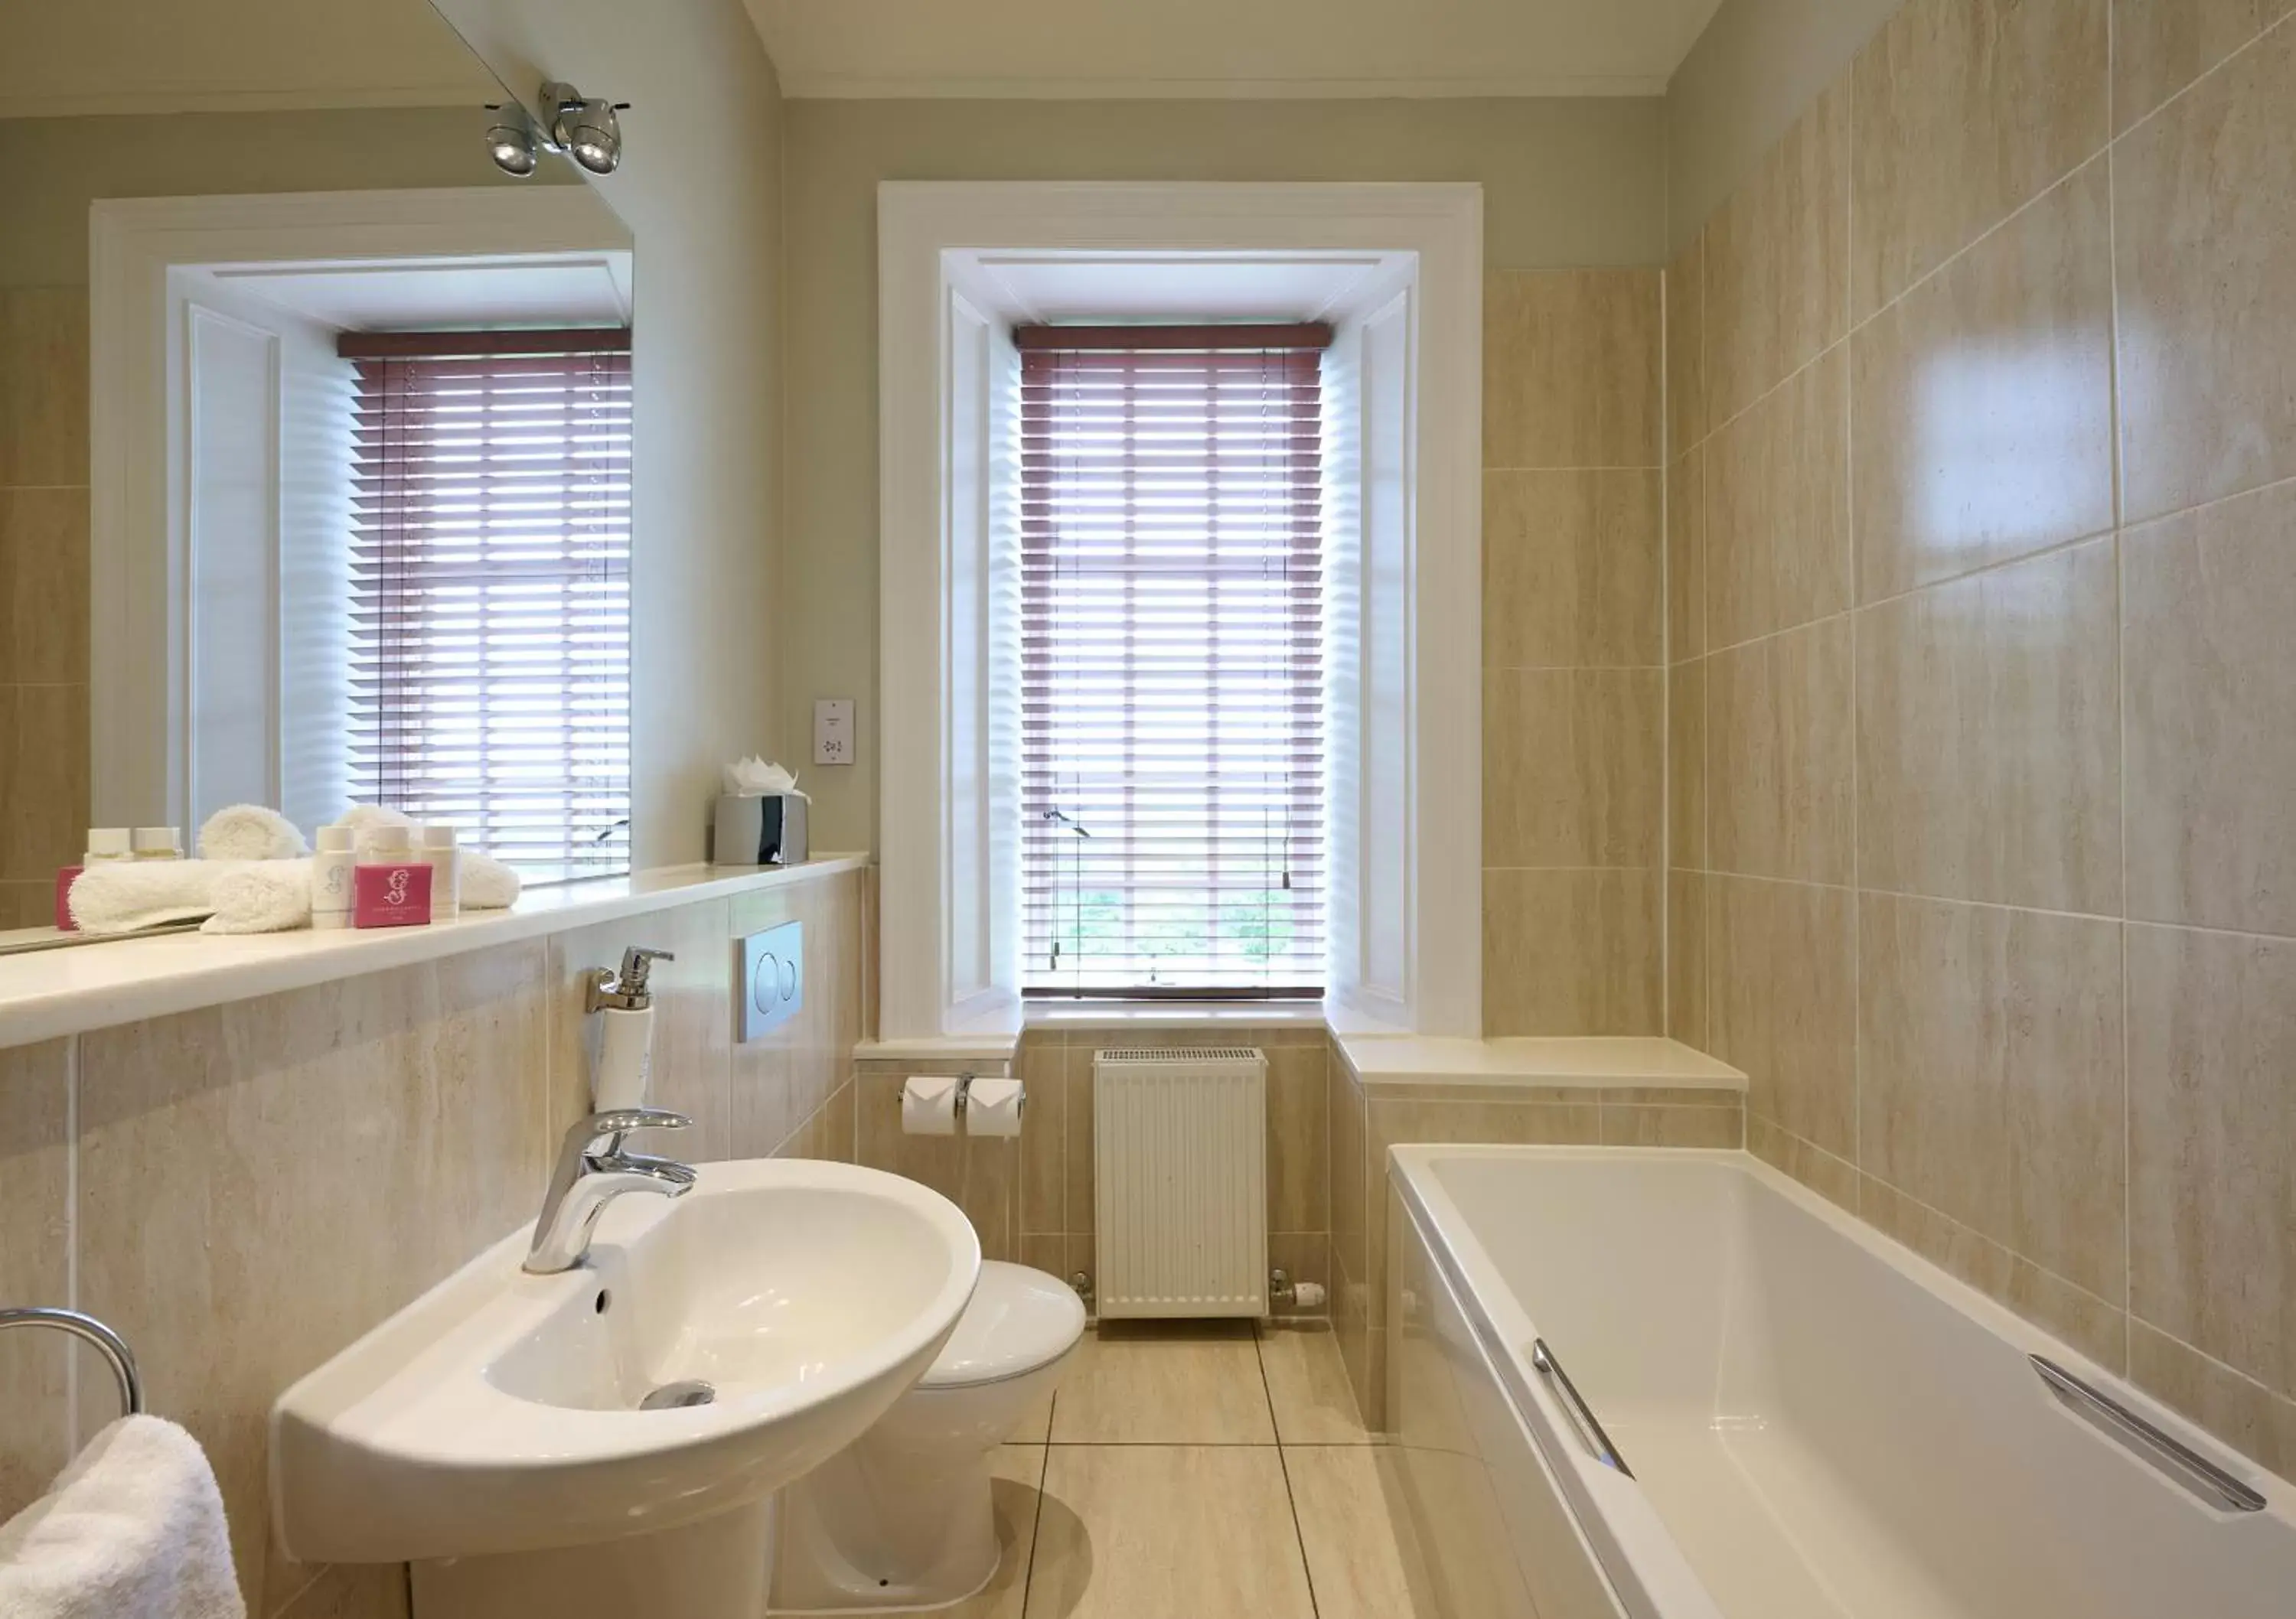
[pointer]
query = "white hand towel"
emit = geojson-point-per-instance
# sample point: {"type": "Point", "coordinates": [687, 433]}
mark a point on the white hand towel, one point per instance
{"type": "Point", "coordinates": [134, 1529]}
{"type": "Point", "coordinates": [125, 895]}
{"type": "Point", "coordinates": [262, 896]}
{"type": "Point", "coordinates": [249, 831]}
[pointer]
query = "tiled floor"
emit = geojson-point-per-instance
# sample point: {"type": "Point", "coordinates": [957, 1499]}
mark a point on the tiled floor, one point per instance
{"type": "Point", "coordinates": [1201, 1471]}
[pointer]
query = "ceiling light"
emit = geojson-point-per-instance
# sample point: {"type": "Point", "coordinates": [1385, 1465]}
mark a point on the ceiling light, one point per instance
{"type": "Point", "coordinates": [510, 139]}
{"type": "Point", "coordinates": [584, 127]}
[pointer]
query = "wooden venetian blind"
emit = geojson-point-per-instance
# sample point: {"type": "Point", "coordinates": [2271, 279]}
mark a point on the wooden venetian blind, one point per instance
{"type": "Point", "coordinates": [490, 670]}
{"type": "Point", "coordinates": [1172, 653]}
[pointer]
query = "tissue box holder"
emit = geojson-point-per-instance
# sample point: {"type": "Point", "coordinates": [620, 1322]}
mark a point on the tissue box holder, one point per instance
{"type": "Point", "coordinates": [767, 830]}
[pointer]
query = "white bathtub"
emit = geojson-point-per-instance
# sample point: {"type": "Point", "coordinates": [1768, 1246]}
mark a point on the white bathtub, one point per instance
{"type": "Point", "coordinates": [1818, 1422]}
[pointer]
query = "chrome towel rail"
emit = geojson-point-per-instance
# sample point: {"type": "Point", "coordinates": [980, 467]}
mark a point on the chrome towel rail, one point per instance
{"type": "Point", "coordinates": [2182, 1463]}
{"type": "Point", "coordinates": [1582, 1415]}
{"type": "Point", "coordinates": [87, 1328]}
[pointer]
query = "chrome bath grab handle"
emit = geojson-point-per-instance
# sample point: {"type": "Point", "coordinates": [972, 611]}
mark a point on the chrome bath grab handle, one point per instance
{"type": "Point", "coordinates": [2182, 1463]}
{"type": "Point", "coordinates": [87, 1327]}
{"type": "Point", "coordinates": [1582, 1415]}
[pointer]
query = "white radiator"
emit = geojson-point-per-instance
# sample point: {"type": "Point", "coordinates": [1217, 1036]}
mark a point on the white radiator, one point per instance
{"type": "Point", "coordinates": [1180, 1167]}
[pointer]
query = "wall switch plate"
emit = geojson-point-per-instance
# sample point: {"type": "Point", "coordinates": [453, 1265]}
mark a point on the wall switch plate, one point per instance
{"type": "Point", "coordinates": [773, 978]}
{"type": "Point", "coordinates": [833, 730]}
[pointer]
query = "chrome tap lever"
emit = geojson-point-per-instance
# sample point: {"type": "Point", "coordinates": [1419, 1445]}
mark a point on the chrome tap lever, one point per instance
{"type": "Point", "coordinates": [593, 1169]}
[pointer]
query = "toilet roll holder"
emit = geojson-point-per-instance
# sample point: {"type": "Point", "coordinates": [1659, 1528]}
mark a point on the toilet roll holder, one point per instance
{"type": "Point", "coordinates": [964, 1096]}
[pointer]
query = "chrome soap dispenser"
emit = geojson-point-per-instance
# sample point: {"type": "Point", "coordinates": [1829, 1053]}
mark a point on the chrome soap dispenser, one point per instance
{"type": "Point", "coordinates": [624, 1003]}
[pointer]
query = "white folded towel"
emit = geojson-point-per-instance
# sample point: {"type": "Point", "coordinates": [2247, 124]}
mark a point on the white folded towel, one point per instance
{"type": "Point", "coordinates": [249, 831]}
{"type": "Point", "coordinates": [134, 1529]}
{"type": "Point", "coordinates": [127, 896]}
{"type": "Point", "coordinates": [486, 884]}
{"type": "Point", "coordinates": [262, 896]}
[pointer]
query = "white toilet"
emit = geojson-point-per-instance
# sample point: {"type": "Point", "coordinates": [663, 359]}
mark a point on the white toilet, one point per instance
{"type": "Point", "coordinates": [901, 1518]}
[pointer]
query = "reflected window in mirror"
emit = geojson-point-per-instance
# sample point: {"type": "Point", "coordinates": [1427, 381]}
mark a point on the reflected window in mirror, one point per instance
{"type": "Point", "coordinates": [489, 633]}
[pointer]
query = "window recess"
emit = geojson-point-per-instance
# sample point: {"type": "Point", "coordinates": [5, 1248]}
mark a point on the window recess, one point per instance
{"type": "Point", "coordinates": [490, 561]}
{"type": "Point", "coordinates": [1172, 655]}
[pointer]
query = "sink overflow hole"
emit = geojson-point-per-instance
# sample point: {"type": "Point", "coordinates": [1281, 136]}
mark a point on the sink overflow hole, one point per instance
{"type": "Point", "coordinates": [677, 1395]}
{"type": "Point", "coordinates": [605, 1297]}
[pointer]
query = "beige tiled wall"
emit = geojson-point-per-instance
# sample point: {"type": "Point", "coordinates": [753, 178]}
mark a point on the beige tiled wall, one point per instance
{"type": "Point", "coordinates": [249, 1187]}
{"type": "Point", "coordinates": [1981, 560]}
{"type": "Point", "coordinates": [43, 594]}
{"type": "Point", "coordinates": [1574, 683]}
{"type": "Point", "coordinates": [1052, 1216]}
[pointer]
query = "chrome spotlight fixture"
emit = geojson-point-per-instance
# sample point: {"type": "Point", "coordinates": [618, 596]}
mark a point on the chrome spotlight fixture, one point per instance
{"type": "Point", "coordinates": [510, 139]}
{"type": "Point", "coordinates": [584, 127]}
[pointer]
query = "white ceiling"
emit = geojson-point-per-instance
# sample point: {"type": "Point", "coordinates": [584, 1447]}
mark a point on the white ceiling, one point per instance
{"type": "Point", "coordinates": [61, 58]}
{"type": "Point", "coordinates": [1093, 48]}
{"type": "Point", "coordinates": [444, 294]}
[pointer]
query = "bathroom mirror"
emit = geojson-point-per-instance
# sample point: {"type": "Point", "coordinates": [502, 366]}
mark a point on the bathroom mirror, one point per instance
{"type": "Point", "coordinates": [314, 439]}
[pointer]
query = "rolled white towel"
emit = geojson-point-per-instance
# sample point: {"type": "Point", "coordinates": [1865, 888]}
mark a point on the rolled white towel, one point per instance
{"type": "Point", "coordinates": [134, 1529]}
{"type": "Point", "coordinates": [249, 831]}
{"type": "Point", "coordinates": [127, 896]}
{"type": "Point", "coordinates": [488, 884]}
{"type": "Point", "coordinates": [262, 896]}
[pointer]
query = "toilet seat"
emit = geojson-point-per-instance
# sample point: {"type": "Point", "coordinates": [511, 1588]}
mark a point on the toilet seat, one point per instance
{"type": "Point", "coordinates": [1020, 1320]}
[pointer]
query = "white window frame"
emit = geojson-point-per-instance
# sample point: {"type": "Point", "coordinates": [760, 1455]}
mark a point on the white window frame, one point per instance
{"type": "Point", "coordinates": [948, 852]}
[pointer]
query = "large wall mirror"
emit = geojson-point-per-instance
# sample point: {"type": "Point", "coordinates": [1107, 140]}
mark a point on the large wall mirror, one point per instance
{"type": "Point", "coordinates": [315, 445]}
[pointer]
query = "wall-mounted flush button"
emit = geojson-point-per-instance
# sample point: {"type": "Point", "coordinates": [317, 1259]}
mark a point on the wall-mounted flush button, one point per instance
{"type": "Point", "coordinates": [773, 968]}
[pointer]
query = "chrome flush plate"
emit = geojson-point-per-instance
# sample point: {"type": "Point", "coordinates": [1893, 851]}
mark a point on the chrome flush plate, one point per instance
{"type": "Point", "coordinates": [773, 976]}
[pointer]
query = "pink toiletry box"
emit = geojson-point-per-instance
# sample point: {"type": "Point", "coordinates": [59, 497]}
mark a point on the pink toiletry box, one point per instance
{"type": "Point", "coordinates": [391, 897]}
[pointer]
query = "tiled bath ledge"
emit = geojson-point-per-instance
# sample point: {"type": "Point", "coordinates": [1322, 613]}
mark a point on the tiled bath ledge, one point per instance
{"type": "Point", "coordinates": [53, 993]}
{"type": "Point", "coordinates": [1409, 1066]}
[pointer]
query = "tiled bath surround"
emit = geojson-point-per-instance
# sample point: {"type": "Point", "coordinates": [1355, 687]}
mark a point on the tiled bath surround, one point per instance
{"type": "Point", "coordinates": [1980, 561]}
{"type": "Point", "coordinates": [244, 1190]}
{"type": "Point", "coordinates": [1574, 686]}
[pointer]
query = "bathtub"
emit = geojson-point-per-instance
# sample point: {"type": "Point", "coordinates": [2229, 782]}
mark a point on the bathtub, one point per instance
{"type": "Point", "coordinates": [1807, 1420]}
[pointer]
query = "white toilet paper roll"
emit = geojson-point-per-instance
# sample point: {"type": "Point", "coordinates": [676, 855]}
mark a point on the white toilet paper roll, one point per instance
{"type": "Point", "coordinates": [995, 1107]}
{"type": "Point", "coordinates": [928, 1105]}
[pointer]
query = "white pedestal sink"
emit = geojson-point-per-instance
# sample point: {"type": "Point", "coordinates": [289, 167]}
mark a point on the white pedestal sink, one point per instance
{"type": "Point", "coordinates": [492, 1431]}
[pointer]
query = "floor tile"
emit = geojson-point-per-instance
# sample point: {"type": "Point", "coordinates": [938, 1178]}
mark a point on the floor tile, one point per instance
{"type": "Point", "coordinates": [1361, 1559]}
{"type": "Point", "coordinates": [1307, 1385]}
{"type": "Point", "coordinates": [1015, 1472]}
{"type": "Point", "coordinates": [1163, 1531]}
{"type": "Point", "coordinates": [1165, 1383]}
{"type": "Point", "coordinates": [1036, 1426]}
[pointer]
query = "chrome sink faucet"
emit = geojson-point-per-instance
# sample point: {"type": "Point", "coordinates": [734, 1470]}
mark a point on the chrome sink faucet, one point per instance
{"type": "Point", "coordinates": [592, 1171]}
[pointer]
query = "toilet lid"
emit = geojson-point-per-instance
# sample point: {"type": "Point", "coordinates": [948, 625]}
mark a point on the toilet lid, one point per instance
{"type": "Point", "coordinates": [1019, 1320]}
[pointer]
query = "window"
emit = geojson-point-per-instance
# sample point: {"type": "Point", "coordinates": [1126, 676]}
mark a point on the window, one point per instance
{"type": "Point", "coordinates": [490, 670]}
{"type": "Point", "coordinates": [1172, 660]}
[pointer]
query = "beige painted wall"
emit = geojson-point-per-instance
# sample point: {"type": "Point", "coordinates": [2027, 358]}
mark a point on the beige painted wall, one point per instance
{"type": "Point", "coordinates": [699, 188]}
{"type": "Point", "coordinates": [1757, 64]}
{"type": "Point", "coordinates": [1566, 183]}
{"type": "Point", "coordinates": [1983, 558]}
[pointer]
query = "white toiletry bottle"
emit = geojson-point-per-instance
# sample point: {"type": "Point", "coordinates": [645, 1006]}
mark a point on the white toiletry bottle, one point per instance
{"type": "Point", "coordinates": [108, 843]}
{"type": "Point", "coordinates": [330, 878]}
{"type": "Point", "coordinates": [156, 843]}
{"type": "Point", "coordinates": [624, 1007]}
{"type": "Point", "coordinates": [445, 864]}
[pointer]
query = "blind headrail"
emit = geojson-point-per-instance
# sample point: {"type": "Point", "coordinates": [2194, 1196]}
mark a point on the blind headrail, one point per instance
{"type": "Point", "coordinates": [1135, 339]}
{"type": "Point", "coordinates": [478, 345]}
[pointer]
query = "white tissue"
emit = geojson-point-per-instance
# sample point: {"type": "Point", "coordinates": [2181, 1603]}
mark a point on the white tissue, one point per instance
{"type": "Point", "coordinates": [928, 1105]}
{"type": "Point", "coordinates": [754, 778]}
{"type": "Point", "coordinates": [993, 1107]}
